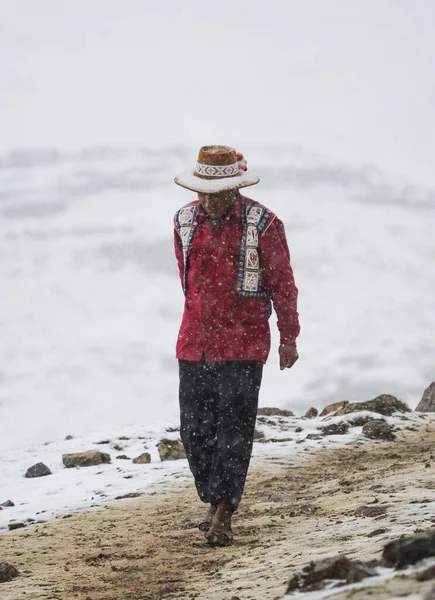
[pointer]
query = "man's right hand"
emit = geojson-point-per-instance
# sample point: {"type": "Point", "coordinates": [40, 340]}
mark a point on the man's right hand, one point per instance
{"type": "Point", "coordinates": [288, 355]}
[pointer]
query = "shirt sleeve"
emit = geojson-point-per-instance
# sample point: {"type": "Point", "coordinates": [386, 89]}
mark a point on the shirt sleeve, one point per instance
{"type": "Point", "coordinates": [179, 254]}
{"type": "Point", "coordinates": [279, 280]}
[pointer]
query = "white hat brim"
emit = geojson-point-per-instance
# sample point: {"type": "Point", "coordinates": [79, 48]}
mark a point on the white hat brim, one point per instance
{"type": "Point", "coordinates": [212, 186]}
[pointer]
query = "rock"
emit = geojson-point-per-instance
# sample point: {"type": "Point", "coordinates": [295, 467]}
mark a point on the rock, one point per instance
{"type": "Point", "coordinates": [335, 428]}
{"type": "Point", "coordinates": [169, 588]}
{"type": "Point", "coordinates": [311, 413]}
{"type": "Point", "coordinates": [427, 403]}
{"type": "Point", "coordinates": [172, 429]}
{"type": "Point", "coordinates": [298, 430]}
{"type": "Point", "coordinates": [13, 526]}
{"type": "Point", "coordinates": [370, 511]}
{"type": "Point", "coordinates": [69, 437]}
{"type": "Point", "coordinates": [258, 435]}
{"type": "Point", "coordinates": [427, 574]}
{"type": "Point", "coordinates": [85, 459]}
{"type": "Point", "coordinates": [142, 459]}
{"type": "Point", "coordinates": [338, 567]}
{"type": "Point", "coordinates": [314, 436]}
{"type": "Point", "coordinates": [379, 429]}
{"type": "Point", "coordinates": [430, 595]}
{"type": "Point", "coordinates": [170, 449]}
{"type": "Point", "coordinates": [360, 420]}
{"type": "Point", "coordinates": [7, 504]}
{"type": "Point", "coordinates": [377, 532]}
{"type": "Point", "coordinates": [409, 549]}
{"type": "Point", "coordinates": [274, 412]}
{"type": "Point", "coordinates": [330, 408]}
{"type": "Point", "coordinates": [117, 447]}
{"type": "Point", "coordinates": [130, 495]}
{"type": "Point", "coordinates": [38, 470]}
{"type": "Point", "coordinates": [7, 572]}
{"type": "Point", "coordinates": [123, 457]}
{"type": "Point", "coordinates": [384, 404]}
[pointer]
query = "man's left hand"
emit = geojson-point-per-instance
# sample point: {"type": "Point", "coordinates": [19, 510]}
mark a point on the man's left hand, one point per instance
{"type": "Point", "coordinates": [288, 355]}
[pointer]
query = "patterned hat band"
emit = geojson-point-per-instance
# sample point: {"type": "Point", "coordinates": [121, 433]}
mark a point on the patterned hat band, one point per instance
{"type": "Point", "coordinates": [217, 170]}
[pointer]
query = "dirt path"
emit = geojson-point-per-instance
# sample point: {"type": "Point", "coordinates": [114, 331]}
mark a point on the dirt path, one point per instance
{"type": "Point", "coordinates": [148, 549]}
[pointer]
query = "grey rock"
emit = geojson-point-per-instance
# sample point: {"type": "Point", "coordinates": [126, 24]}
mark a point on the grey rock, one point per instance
{"type": "Point", "coordinates": [379, 429]}
{"type": "Point", "coordinates": [335, 428]}
{"type": "Point", "coordinates": [7, 572]}
{"type": "Point", "coordinates": [7, 504]}
{"type": "Point", "coordinates": [370, 511]}
{"type": "Point", "coordinates": [258, 435]}
{"type": "Point", "coordinates": [38, 470]}
{"type": "Point", "coordinates": [268, 411]}
{"type": "Point", "coordinates": [377, 532]}
{"type": "Point", "coordinates": [311, 413]}
{"type": "Point", "coordinates": [130, 495]}
{"type": "Point", "coordinates": [360, 420]}
{"type": "Point", "coordinates": [170, 449]}
{"type": "Point", "coordinates": [385, 404]}
{"type": "Point", "coordinates": [85, 459]}
{"type": "Point", "coordinates": [314, 436]}
{"type": "Point", "coordinates": [409, 549]}
{"type": "Point", "coordinates": [339, 567]}
{"type": "Point", "coordinates": [331, 408]}
{"type": "Point", "coordinates": [427, 403]}
{"type": "Point", "coordinates": [13, 526]}
{"type": "Point", "coordinates": [142, 459]}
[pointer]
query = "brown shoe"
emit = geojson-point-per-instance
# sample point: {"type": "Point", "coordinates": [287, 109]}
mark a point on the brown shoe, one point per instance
{"type": "Point", "coordinates": [220, 533]}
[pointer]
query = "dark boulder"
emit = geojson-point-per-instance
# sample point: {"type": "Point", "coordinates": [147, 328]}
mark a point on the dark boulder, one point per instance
{"type": "Point", "coordinates": [7, 572]}
{"type": "Point", "coordinates": [379, 429]}
{"type": "Point", "coordinates": [314, 575]}
{"type": "Point", "coordinates": [335, 428]}
{"type": "Point", "coordinates": [370, 511]}
{"type": "Point", "coordinates": [409, 549]}
{"type": "Point", "coordinates": [311, 413]}
{"type": "Point", "coordinates": [38, 470]}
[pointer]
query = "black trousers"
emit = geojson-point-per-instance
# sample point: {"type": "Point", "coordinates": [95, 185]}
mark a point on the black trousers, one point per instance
{"type": "Point", "coordinates": [218, 406]}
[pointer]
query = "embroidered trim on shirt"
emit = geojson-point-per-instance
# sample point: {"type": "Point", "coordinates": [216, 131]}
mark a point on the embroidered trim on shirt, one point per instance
{"type": "Point", "coordinates": [256, 220]}
{"type": "Point", "coordinates": [249, 277]}
{"type": "Point", "coordinates": [186, 225]}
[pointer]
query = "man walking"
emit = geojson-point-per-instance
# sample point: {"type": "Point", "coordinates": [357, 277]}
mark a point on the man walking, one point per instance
{"type": "Point", "coordinates": [234, 261]}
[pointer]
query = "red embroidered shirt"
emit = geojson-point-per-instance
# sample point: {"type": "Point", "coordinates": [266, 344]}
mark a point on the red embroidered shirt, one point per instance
{"type": "Point", "coordinates": [218, 324]}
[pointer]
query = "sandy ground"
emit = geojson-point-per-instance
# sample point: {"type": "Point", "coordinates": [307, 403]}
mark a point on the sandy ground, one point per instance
{"type": "Point", "coordinates": [293, 511]}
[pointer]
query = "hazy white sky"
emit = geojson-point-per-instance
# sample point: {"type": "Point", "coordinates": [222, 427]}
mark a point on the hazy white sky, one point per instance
{"type": "Point", "coordinates": [354, 80]}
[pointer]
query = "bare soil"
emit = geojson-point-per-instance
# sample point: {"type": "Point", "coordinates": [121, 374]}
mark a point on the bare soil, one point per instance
{"type": "Point", "coordinates": [294, 511]}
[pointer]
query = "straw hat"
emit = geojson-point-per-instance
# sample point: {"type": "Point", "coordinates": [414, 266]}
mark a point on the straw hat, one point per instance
{"type": "Point", "coordinates": [218, 168]}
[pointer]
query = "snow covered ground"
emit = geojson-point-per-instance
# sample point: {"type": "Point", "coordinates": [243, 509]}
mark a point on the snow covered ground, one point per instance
{"type": "Point", "coordinates": [74, 489]}
{"type": "Point", "coordinates": [91, 302]}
